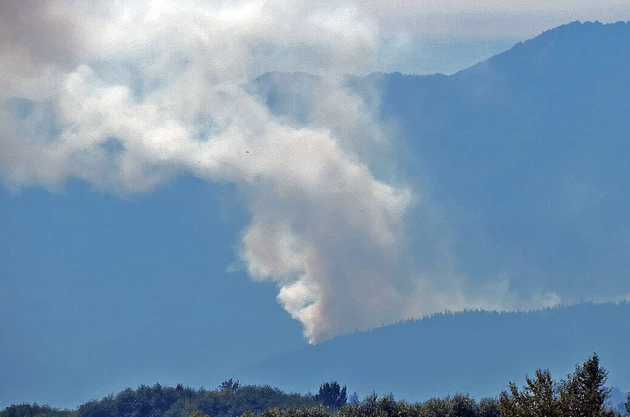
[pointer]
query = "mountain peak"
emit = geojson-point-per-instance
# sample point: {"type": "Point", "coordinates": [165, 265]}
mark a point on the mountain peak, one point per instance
{"type": "Point", "coordinates": [576, 46]}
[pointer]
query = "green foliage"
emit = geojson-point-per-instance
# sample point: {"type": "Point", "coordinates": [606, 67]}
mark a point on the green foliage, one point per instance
{"type": "Point", "coordinates": [254, 401]}
{"type": "Point", "coordinates": [35, 410]}
{"type": "Point", "coordinates": [145, 401]}
{"type": "Point", "coordinates": [459, 405]}
{"type": "Point", "coordinates": [229, 386]}
{"type": "Point", "coordinates": [230, 400]}
{"type": "Point", "coordinates": [436, 407]}
{"type": "Point", "coordinates": [463, 406]}
{"type": "Point", "coordinates": [582, 394]}
{"type": "Point", "coordinates": [332, 395]}
{"type": "Point", "coordinates": [372, 406]}
{"type": "Point", "coordinates": [488, 407]}
{"type": "Point", "coordinates": [537, 399]}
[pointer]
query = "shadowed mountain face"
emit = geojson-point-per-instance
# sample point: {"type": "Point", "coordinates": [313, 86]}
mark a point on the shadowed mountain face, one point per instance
{"type": "Point", "coordinates": [471, 352]}
{"type": "Point", "coordinates": [525, 157]}
{"type": "Point", "coordinates": [526, 153]}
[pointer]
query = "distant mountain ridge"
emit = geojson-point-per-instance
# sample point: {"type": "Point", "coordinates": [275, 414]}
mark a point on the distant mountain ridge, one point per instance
{"type": "Point", "coordinates": [526, 154]}
{"type": "Point", "coordinates": [473, 352]}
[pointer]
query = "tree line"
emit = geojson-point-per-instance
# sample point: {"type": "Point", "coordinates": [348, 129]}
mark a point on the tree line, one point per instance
{"type": "Point", "coordinates": [581, 394]}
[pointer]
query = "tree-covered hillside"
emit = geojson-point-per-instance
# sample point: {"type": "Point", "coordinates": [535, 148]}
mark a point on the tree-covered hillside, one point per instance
{"type": "Point", "coordinates": [229, 400]}
{"type": "Point", "coordinates": [581, 394]}
{"type": "Point", "coordinates": [520, 161]}
{"type": "Point", "coordinates": [520, 166]}
{"type": "Point", "coordinates": [475, 352]}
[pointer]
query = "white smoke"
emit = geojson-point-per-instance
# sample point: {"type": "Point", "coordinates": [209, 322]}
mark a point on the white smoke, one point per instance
{"type": "Point", "coordinates": [126, 96]}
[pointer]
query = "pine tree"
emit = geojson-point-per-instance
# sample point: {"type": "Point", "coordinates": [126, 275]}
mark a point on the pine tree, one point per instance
{"type": "Point", "coordinates": [539, 398]}
{"type": "Point", "coordinates": [584, 393]}
{"type": "Point", "coordinates": [332, 395]}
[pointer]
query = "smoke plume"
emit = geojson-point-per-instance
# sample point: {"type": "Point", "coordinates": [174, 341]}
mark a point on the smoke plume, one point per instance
{"type": "Point", "coordinates": [128, 95]}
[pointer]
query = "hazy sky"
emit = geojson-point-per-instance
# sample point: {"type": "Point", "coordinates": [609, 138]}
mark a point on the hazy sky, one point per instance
{"type": "Point", "coordinates": [144, 185]}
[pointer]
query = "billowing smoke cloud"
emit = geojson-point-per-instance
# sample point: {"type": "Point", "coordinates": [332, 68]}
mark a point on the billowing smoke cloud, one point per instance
{"type": "Point", "coordinates": [127, 96]}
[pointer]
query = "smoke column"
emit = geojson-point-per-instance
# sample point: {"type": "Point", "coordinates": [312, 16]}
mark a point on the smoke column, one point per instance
{"type": "Point", "coordinates": [126, 96]}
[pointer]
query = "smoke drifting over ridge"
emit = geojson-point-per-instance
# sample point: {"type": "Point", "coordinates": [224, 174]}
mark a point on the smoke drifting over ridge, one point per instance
{"type": "Point", "coordinates": [161, 91]}
{"type": "Point", "coordinates": [126, 97]}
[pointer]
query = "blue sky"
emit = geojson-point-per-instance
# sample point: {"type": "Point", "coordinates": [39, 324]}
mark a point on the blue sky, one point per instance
{"type": "Point", "coordinates": [119, 293]}
{"type": "Point", "coordinates": [160, 223]}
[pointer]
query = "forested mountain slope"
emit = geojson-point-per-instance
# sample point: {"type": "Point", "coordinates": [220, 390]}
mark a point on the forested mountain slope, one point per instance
{"type": "Point", "coordinates": [473, 352]}
{"type": "Point", "coordinates": [527, 153]}
{"type": "Point", "coordinates": [525, 158]}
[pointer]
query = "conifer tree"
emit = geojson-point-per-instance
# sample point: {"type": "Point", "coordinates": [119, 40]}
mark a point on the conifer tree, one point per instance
{"type": "Point", "coordinates": [584, 393]}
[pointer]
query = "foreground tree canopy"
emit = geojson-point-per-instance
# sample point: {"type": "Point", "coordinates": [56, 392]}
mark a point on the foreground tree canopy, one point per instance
{"type": "Point", "coordinates": [581, 394]}
{"type": "Point", "coordinates": [332, 395]}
